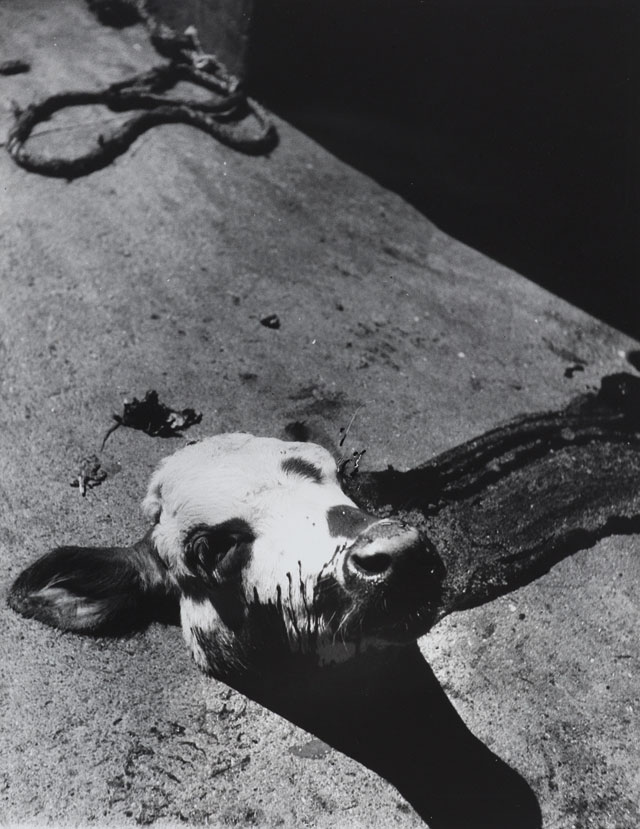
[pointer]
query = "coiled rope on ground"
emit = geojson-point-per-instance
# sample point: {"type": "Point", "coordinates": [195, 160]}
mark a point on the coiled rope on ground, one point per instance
{"type": "Point", "coordinates": [228, 115]}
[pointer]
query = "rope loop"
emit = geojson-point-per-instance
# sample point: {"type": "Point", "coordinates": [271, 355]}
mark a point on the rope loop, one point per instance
{"type": "Point", "coordinates": [225, 115]}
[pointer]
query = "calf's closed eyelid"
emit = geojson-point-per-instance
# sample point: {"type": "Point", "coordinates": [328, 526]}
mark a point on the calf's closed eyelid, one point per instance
{"type": "Point", "coordinates": [217, 552]}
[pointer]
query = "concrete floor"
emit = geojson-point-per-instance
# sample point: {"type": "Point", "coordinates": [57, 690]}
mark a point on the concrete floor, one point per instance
{"type": "Point", "coordinates": [155, 273]}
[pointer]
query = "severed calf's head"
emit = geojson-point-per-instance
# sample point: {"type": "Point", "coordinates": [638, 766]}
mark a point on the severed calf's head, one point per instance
{"type": "Point", "coordinates": [263, 551]}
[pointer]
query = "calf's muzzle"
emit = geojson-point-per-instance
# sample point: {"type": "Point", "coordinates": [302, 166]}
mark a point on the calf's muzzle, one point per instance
{"type": "Point", "coordinates": [384, 550]}
{"type": "Point", "coordinates": [393, 577]}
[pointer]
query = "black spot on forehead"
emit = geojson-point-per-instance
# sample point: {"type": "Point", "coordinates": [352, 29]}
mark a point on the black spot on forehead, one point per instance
{"type": "Point", "coordinates": [299, 466]}
{"type": "Point", "coordinates": [347, 521]}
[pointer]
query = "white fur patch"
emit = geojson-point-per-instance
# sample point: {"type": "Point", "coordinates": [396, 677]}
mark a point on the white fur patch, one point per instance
{"type": "Point", "coordinates": [240, 476]}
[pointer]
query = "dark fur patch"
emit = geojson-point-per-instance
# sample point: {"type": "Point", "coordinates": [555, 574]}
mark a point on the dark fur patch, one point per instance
{"type": "Point", "coordinates": [94, 590]}
{"type": "Point", "coordinates": [298, 466]}
{"type": "Point", "coordinates": [347, 521]}
{"type": "Point", "coordinates": [216, 554]}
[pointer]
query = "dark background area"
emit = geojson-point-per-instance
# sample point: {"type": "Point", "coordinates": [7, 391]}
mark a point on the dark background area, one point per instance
{"type": "Point", "coordinates": [511, 125]}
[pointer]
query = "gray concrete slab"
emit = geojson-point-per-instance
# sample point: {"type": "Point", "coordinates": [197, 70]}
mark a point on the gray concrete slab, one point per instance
{"type": "Point", "coordinates": [155, 273]}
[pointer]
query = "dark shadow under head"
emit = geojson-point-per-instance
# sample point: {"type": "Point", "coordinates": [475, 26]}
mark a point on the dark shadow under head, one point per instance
{"type": "Point", "coordinates": [500, 510]}
{"type": "Point", "coordinates": [388, 711]}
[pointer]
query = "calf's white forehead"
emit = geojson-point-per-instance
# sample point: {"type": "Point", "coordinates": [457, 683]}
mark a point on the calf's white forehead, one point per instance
{"type": "Point", "coordinates": [241, 476]}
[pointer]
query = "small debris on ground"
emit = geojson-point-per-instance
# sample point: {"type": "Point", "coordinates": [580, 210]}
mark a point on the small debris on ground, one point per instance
{"type": "Point", "coordinates": [348, 467]}
{"type": "Point", "coordinates": [271, 321]}
{"type": "Point", "coordinates": [89, 474]}
{"type": "Point", "coordinates": [571, 370]}
{"type": "Point", "coordinates": [14, 67]}
{"type": "Point", "coordinates": [151, 416]}
{"type": "Point", "coordinates": [345, 431]}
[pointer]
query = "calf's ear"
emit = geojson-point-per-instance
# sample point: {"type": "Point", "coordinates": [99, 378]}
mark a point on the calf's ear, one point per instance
{"type": "Point", "coordinates": [96, 590]}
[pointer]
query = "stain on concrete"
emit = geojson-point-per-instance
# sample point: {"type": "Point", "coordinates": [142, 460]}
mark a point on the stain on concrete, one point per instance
{"type": "Point", "coordinates": [504, 507]}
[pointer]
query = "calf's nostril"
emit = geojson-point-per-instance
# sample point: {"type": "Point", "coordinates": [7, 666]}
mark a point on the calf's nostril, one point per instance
{"type": "Point", "coordinates": [385, 549]}
{"type": "Point", "coordinates": [374, 564]}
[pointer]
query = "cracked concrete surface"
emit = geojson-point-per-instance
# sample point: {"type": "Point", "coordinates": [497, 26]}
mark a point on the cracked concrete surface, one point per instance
{"type": "Point", "coordinates": [155, 273]}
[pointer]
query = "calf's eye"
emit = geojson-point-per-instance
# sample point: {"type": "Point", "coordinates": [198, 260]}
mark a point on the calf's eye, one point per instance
{"type": "Point", "coordinates": [208, 555]}
{"type": "Point", "coordinates": [216, 553]}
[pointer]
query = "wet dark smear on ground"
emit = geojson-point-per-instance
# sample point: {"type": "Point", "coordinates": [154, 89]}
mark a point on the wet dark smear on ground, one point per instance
{"type": "Point", "coordinates": [503, 508]}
